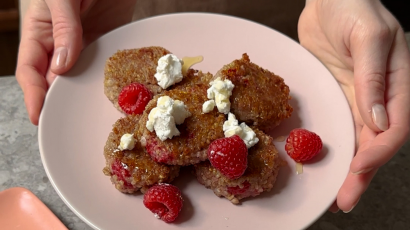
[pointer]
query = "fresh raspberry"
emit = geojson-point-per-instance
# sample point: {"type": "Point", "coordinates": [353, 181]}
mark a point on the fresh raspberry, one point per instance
{"type": "Point", "coordinates": [133, 98]}
{"type": "Point", "coordinates": [302, 145]}
{"type": "Point", "coordinates": [229, 155]}
{"type": "Point", "coordinates": [121, 172]}
{"type": "Point", "coordinates": [164, 200]}
{"type": "Point", "coordinates": [238, 190]}
{"type": "Point", "coordinates": [158, 152]}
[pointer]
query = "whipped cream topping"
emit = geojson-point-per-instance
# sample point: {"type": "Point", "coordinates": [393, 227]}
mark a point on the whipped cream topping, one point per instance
{"type": "Point", "coordinates": [231, 127]}
{"type": "Point", "coordinates": [164, 118]}
{"type": "Point", "coordinates": [127, 142]}
{"type": "Point", "coordinates": [220, 91]}
{"type": "Point", "coordinates": [169, 71]}
{"type": "Point", "coordinates": [208, 106]}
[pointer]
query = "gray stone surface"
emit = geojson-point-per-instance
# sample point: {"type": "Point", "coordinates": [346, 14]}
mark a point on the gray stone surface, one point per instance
{"type": "Point", "coordinates": [20, 162]}
{"type": "Point", "coordinates": [385, 205]}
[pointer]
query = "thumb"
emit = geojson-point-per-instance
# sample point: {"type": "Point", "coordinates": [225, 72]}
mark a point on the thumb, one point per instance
{"type": "Point", "coordinates": [370, 54]}
{"type": "Point", "coordinates": [67, 33]}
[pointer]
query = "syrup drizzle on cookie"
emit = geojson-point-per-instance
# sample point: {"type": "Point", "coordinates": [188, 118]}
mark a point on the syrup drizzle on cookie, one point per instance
{"type": "Point", "coordinates": [299, 168]}
{"type": "Point", "coordinates": [190, 61]}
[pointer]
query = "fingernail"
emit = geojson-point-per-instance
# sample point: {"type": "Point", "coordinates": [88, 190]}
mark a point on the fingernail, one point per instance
{"type": "Point", "coordinates": [363, 171]}
{"type": "Point", "coordinates": [379, 116]}
{"type": "Point", "coordinates": [354, 205]}
{"type": "Point", "coordinates": [336, 211]}
{"type": "Point", "coordinates": [59, 58]}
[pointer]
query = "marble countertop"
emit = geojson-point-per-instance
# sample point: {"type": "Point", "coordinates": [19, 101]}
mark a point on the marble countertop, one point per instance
{"type": "Point", "coordinates": [385, 205]}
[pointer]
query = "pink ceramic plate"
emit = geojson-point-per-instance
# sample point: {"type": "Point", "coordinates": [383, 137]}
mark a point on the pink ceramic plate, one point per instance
{"type": "Point", "coordinates": [21, 209]}
{"type": "Point", "coordinates": [77, 118]}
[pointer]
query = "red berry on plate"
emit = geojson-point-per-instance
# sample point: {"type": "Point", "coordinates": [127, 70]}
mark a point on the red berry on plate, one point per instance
{"type": "Point", "coordinates": [237, 190]}
{"type": "Point", "coordinates": [229, 155]}
{"type": "Point", "coordinates": [133, 98]}
{"type": "Point", "coordinates": [302, 145]}
{"type": "Point", "coordinates": [118, 169]}
{"type": "Point", "coordinates": [164, 200]}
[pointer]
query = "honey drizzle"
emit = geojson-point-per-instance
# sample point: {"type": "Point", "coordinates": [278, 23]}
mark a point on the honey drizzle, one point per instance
{"type": "Point", "coordinates": [279, 139]}
{"type": "Point", "coordinates": [190, 61]}
{"type": "Point", "coordinates": [299, 168]}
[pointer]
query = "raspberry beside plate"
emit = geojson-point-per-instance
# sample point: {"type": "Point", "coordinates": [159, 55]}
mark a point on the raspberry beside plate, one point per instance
{"type": "Point", "coordinates": [302, 145]}
{"type": "Point", "coordinates": [164, 200]}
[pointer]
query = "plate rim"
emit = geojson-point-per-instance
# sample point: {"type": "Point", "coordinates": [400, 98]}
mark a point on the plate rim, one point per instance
{"type": "Point", "coordinates": [195, 14]}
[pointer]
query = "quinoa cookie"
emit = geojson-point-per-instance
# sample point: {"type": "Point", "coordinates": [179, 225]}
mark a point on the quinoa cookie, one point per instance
{"type": "Point", "coordinates": [263, 168]}
{"type": "Point", "coordinates": [259, 98]}
{"type": "Point", "coordinates": [133, 170]}
{"type": "Point", "coordinates": [130, 66]}
{"type": "Point", "coordinates": [193, 77]}
{"type": "Point", "coordinates": [196, 133]}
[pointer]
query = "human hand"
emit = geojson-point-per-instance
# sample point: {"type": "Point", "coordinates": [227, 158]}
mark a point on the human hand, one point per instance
{"type": "Point", "coordinates": [53, 35]}
{"type": "Point", "coordinates": [364, 47]}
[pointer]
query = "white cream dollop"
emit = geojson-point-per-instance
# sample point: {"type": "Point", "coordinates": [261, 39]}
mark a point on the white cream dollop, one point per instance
{"type": "Point", "coordinates": [220, 91]}
{"type": "Point", "coordinates": [169, 70]}
{"type": "Point", "coordinates": [164, 118]}
{"type": "Point", "coordinates": [127, 142]}
{"type": "Point", "coordinates": [208, 106]}
{"type": "Point", "coordinates": [231, 127]}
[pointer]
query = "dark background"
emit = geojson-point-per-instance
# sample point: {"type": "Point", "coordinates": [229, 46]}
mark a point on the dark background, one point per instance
{"type": "Point", "coordinates": [9, 36]}
{"type": "Point", "coordinates": [385, 205]}
{"type": "Point", "coordinates": [400, 9]}
{"type": "Point", "coordinates": [9, 26]}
